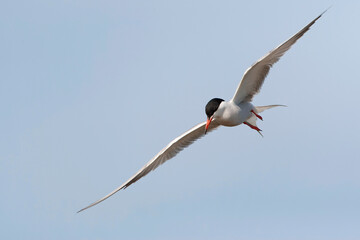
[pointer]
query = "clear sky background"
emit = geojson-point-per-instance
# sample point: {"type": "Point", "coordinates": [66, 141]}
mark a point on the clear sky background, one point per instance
{"type": "Point", "coordinates": [92, 90]}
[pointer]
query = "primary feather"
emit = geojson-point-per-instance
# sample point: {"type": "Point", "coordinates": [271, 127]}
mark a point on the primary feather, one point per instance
{"type": "Point", "coordinates": [173, 148]}
{"type": "Point", "coordinates": [255, 75]}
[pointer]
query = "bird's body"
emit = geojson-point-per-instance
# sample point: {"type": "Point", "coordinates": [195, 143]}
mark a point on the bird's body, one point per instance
{"type": "Point", "coordinates": [230, 113]}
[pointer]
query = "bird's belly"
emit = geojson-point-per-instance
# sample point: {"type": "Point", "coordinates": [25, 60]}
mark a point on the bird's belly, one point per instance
{"type": "Point", "coordinates": [234, 115]}
{"type": "Point", "coordinates": [231, 120]}
{"type": "Point", "coordinates": [227, 123]}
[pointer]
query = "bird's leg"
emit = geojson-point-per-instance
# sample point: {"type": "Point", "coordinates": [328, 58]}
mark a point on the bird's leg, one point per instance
{"type": "Point", "coordinates": [254, 127]}
{"type": "Point", "coordinates": [257, 115]}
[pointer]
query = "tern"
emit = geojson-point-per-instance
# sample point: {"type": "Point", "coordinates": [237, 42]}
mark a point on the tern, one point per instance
{"type": "Point", "coordinates": [236, 111]}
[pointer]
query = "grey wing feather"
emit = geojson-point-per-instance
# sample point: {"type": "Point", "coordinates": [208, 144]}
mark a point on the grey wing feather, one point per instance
{"type": "Point", "coordinates": [173, 148]}
{"type": "Point", "coordinates": [255, 75]}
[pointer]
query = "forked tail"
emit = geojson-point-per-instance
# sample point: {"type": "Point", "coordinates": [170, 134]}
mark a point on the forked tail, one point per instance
{"type": "Point", "coordinates": [260, 109]}
{"type": "Point", "coordinates": [252, 120]}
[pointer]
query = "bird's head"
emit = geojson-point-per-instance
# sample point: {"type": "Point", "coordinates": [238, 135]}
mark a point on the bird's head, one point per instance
{"type": "Point", "coordinates": [210, 109]}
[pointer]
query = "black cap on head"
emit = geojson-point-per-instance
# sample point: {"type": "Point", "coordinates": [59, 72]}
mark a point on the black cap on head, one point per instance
{"type": "Point", "coordinates": [212, 106]}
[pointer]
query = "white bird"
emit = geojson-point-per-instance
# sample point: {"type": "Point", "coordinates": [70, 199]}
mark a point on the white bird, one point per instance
{"type": "Point", "coordinates": [230, 113]}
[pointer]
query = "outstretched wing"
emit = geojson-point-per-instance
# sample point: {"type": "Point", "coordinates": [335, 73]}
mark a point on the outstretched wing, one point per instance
{"type": "Point", "coordinates": [173, 148]}
{"type": "Point", "coordinates": [255, 75]}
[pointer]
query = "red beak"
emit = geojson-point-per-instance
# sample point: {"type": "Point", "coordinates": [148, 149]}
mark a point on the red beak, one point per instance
{"type": "Point", "coordinates": [207, 124]}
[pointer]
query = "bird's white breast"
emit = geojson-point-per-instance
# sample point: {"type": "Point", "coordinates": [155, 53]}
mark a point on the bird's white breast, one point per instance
{"type": "Point", "coordinates": [230, 114]}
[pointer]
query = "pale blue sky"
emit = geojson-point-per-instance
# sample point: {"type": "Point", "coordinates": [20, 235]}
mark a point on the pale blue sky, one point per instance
{"type": "Point", "coordinates": [91, 90]}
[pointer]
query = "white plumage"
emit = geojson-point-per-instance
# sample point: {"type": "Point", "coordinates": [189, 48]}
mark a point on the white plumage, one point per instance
{"type": "Point", "coordinates": [232, 113]}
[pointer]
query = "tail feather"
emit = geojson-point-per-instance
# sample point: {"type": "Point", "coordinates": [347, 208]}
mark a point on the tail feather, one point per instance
{"type": "Point", "coordinates": [252, 119]}
{"type": "Point", "coordinates": [260, 109]}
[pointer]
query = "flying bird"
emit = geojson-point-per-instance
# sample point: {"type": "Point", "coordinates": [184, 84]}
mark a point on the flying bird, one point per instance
{"type": "Point", "coordinates": [238, 110]}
